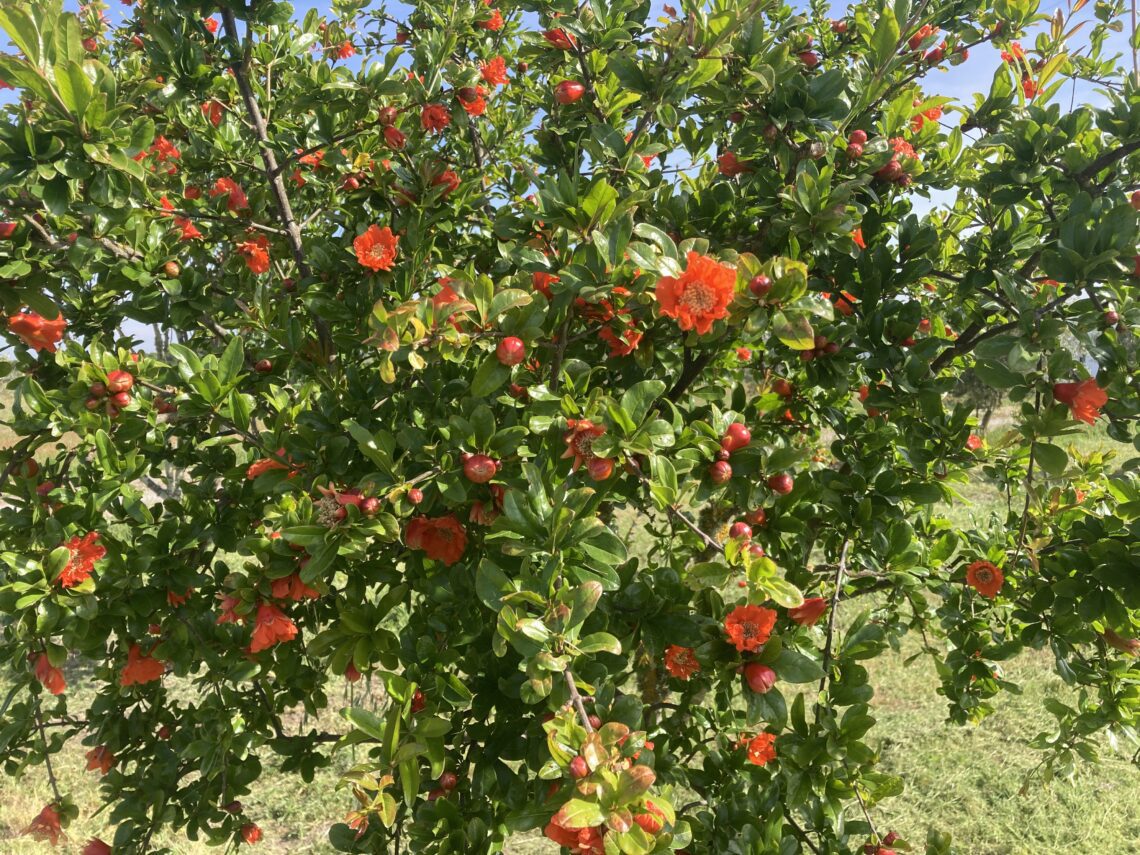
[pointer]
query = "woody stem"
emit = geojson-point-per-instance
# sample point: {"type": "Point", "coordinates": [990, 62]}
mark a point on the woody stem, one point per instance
{"type": "Point", "coordinates": [271, 169]}
{"type": "Point", "coordinates": [840, 571]}
{"type": "Point", "coordinates": [576, 699]}
{"type": "Point", "coordinates": [47, 754]}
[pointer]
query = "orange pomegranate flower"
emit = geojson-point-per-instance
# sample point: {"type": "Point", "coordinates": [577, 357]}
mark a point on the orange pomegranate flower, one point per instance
{"type": "Point", "coordinates": [1084, 399]}
{"type": "Point", "coordinates": [441, 538]}
{"type": "Point", "coordinates": [435, 117]}
{"type": "Point", "coordinates": [292, 588]}
{"type": "Point", "coordinates": [346, 50]}
{"type": "Point", "coordinates": [809, 611]}
{"type": "Point", "coordinates": [494, 23]}
{"type": "Point", "coordinates": [189, 230]}
{"type": "Point", "coordinates": [700, 295]}
{"type": "Point", "coordinates": [762, 749]}
{"type": "Point", "coordinates": [394, 138]}
{"type": "Point", "coordinates": [681, 661]}
{"type": "Point", "coordinates": [376, 248]}
{"type": "Point", "coordinates": [256, 253]}
{"type": "Point", "coordinates": [857, 236]}
{"type": "Point", "coordinates": [580, 441]}
{"type": "Point", "coordinates": [985, 578]}
{"type": "Point", "coordinates": [749, 627]}
{"type": "Point", "coordinates": [212, 110]}
{"type": "Point", "coordinates": [228, 187]}
{"type": "Point", "coordinates": [85, 552]}
{"type": "Point", "coordinates": [267, 464]}
{"type": "Point", "coordinates": [45, 827]}
{"type": "Point", "coordinates": [1014, 53]}
{"type": "Point", "coordinates": [974, 442]}
{"type": "Point", "coordinates": [542, 282]}
{"type": "Point", "coordinates": [579, 841]}
{"type": "Point", "coordinates": [448, 180]}
{"type": "Point", "coordinates": [229, 613]}
{"type": "Point", "coordinates": [140, 668]}
{"type": "Point", "coordinates": [729, 166]}
{"type": "Point", "coordinates": [559, 38]}
{"type": "Point", "coordinates": [476, 106]}
{"type": "Point", "coordinates": [100, 759]}
{"type": "Point", "coordinates": [95, 846]}
{"type": "Point", "coordinates": [494, 72]}
{"type": "Point", "coordinates": [49, 676]}
{"type": "Point", "coordinates": [1114, 639]}
{"type": "Point", "coordinates": [175, 599]}
{"type": "Point", "coordinates": [621, 343]}
{"type": "Point", "coordinates": [271, 626]}
{"type": "Point", "coordinates": [250, 833]}
{"type": "Point", "coordinates": [36, 331]}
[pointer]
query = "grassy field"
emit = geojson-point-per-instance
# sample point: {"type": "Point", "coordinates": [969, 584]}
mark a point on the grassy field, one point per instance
{"type": "Point", "coordinates": [962, 780]}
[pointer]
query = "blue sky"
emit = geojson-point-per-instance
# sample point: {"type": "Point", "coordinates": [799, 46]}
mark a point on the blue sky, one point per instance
{"type": "Point", "coordinates": [959, 83]}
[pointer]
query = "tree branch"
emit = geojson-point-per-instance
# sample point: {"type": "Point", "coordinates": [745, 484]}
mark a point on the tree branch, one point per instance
{"type": "Point", "coordinates": [47, 754]}
{"type": "Point", "coordinates": [690, 370]}
{"type": "Point", "coordinates": [271, 169]}
{"type": "Point", "coordinates": [1106, 160]}
{"type": "Point", "coordinates": [576, 699]}
{"type": "Point", "coordinates": [840, 571]}
{"type": "Point", "coordinates": [974, 335]}
{"type": "Point", "coordinates": [799, 832]}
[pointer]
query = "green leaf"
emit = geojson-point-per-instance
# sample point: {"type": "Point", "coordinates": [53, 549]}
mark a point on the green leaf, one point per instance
{"type": "Point", "coordinates": [1050, 458]}
{"type": "Point", "coordinates": [232, 361]}
{"type": "Point", "coordinates": [22, 30]}
{"type": "Point", "coordinates": [600, 642]}
{"type": "Point", "coordinates": [633, 782]}
{"type": "Point", "coordinates": [794, 329]}
{"type": "Point", "coordinates": [319, 560]}
{"type": "Point", "coordinates": [639, 397]}
{"type": "Point", "coordinates": [105, 453]}
{"type": "Point", "coordinates": [664, 243]}
{"type": "Point", "coordinates": [600, 202]}
{"type": "Point", "coordinates": [57, 195]}
{"type": "Point", "coordinates": [794, 667]}
{"type": "Point", "coordinates": [410, 779]}
{"type": "Point", "coordinates": [365, 721]}
{"type": "Point", "coordinates": [507, 299]}
{"type": "Point", "coordinates": [781, 591]}
{"type": "Point", "coordinates": [885, 40]}
{"type": "Point", "coordinates": [579, 813]}
{"type": "Point", "coordinates": [491, 375]}
{"type": "Point", "coordinates": [75, 89]}
{"type": "Point", "coordinates": [367, 444]}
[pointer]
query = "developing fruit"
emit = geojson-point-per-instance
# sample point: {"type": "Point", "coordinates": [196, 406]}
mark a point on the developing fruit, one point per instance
{"type": "Point", "coordinates": [720, 472]}
{"type": "Point", "coordinates": [737, 436]}
{"type": "Point", "coordinates": [479, 468]}
{"type": "Point", "coordinates": [120, 381]}
{"type": "Point", "coordinates": [740, 531]}
{"type": "Point", "coordinates": [569, 91]}
{"type": "Point", "coordinates": [760, 678]}
{"type": "Point", "coordinates": [511, 351]}
{"type": "Point", "coordinates": [781, 483]}
{"type": "Point", "coordinates": [760, 285]}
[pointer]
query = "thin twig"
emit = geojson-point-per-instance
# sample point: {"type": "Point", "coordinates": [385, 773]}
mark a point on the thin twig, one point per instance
{"type": "Point", "coordinates": [271, 168]}
{"type": "Point", "coordinates": [800, 833]}
{"type": "Point", "coordinates": [840, 571]}
{"type": "Point", "coordinates": [576, 699]}
{"type": "Point", "coordinates": [47, 754]}
{"type": "Point", "coordinates": [677, 513]}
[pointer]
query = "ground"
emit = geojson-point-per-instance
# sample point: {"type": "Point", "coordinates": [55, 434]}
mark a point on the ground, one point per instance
{"type": "Point", "coordinates": [965, 780]}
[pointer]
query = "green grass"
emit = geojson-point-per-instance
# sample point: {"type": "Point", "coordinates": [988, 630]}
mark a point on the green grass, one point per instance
{"type": "Point", "coordinates": [965, 780]}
